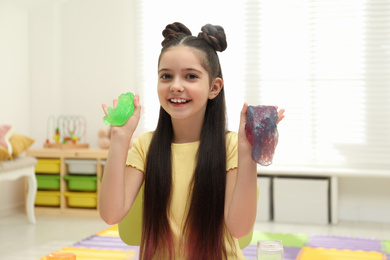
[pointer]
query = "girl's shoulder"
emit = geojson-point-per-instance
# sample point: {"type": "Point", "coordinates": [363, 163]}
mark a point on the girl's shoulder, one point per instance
{"type": "Point", "coordinates": [144, 139]}
{"type": "Point", "coordinates": [146, 136]}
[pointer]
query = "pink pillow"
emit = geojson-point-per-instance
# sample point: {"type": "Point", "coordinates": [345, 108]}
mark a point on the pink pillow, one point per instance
{"type": "Point", "coordinates": [6, 132]}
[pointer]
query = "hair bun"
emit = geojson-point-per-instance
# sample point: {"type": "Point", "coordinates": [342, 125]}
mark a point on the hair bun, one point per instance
{"type": "Point", "coordinates": [174, 30]}
{"type": "Point", "coordinates": [215, 36]}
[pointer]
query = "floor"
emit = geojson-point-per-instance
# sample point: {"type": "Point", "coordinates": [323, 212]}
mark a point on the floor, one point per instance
{"type": "Point", "coordinates": [20, 240]}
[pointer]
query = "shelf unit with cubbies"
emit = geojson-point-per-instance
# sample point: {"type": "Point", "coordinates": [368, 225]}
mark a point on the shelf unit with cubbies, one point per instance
{"type": "Point", "coordinates": [68, 180]}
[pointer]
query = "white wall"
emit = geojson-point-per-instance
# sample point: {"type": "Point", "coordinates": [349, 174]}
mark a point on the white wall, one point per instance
{"type": "Point", "coordinates": [45, 60]}
{"type": "Point", "coordinates": [14, 90]}
{"type": "Point", "coordinates": [81, 56]}
{"type": "Point", "coordinates": [14, 68]}
{"type": "Point", "coordinates": [60, 58]}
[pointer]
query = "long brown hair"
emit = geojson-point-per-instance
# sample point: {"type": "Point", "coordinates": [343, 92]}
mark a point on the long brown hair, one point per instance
{"type": "Point", "coordinates": [204, 229]}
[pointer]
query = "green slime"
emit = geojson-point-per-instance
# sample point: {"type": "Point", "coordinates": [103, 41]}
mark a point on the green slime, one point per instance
{"type": "Point", "coordinates": [119, 115]}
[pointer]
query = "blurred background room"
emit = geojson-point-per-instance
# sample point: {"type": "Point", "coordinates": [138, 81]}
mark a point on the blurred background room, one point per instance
{"type": "Point", "coordinates": [327, 63]}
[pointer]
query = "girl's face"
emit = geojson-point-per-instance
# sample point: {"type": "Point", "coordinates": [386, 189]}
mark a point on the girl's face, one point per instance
{"type": "Point", "coordinates": [183, 84]}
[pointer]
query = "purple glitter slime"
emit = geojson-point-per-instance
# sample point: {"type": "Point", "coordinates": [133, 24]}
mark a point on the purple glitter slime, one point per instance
{"type": "Point", "coordinates": [262, 133]}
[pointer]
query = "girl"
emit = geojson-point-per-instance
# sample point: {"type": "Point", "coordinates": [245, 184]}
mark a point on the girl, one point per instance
{"type": "Point", "coordinates": [200, 181]}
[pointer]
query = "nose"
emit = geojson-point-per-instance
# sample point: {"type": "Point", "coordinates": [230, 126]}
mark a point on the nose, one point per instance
{"type": "Point", "coordinates": [176, 86]}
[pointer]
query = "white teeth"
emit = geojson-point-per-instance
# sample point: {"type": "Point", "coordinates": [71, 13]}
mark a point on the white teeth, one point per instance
{"type": "Point", "coordinates": [174, 100]}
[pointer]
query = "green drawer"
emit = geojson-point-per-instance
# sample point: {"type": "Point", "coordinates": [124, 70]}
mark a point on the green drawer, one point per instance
{"type": "Point", "coordinates": [48, 182]}
{"type": "Point", "coordinates": [81, 182]}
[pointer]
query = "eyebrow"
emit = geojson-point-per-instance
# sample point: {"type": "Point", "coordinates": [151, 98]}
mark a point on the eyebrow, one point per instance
{"type": "Point", "coordinates": [188, 69]}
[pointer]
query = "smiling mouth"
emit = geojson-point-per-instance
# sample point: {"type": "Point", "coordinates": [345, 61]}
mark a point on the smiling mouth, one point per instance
{"type": "Point", "coordinates": [178, 101]}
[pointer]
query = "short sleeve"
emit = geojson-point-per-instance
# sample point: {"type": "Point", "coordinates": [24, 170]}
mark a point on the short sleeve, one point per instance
{"type": "Point", "coordinates": [231, 151]}
{"type": "Point", "coordinates": [137, 154]}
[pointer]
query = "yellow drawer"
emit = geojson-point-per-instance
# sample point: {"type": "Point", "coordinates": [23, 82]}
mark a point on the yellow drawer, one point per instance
{"type": "Point", "coordinates": [51, 166]}
{"type": "Point", "coordinates": [47, 198]}
{"type": "Point", "coordinates": [81, 199]}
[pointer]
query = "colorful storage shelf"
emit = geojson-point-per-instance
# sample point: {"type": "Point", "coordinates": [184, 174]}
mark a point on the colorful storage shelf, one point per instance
{"type": "Point", "coordinates": [81, 199]}
{"type": "Point", "coordinates": [48, 166]}
{"type": "Point", "coordinates": [81, 182]}
{"type": "Point", "coordinates": [47, 198]}
{"type": "Point", "coordinates": [69, 180]}
{"type": "Point", "coordinates": [48, 182]}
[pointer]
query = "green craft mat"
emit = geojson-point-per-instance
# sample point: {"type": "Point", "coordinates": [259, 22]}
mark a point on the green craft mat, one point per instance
{"type": "Point", "coordinates": [289, 240]}
{"type": "Point", "coordinates": [386, 246]}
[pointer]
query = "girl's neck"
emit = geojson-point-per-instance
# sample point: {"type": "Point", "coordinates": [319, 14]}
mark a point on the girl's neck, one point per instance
{"type": "Point", "coordinates": [186, 131]}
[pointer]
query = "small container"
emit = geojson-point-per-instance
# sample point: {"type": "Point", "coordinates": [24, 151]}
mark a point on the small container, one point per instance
{"type": "Point", "coordinates": [48, 181]}
{"type": "Point", "coordinates": [81, 166]}
{"type": "Point", "coordinates": [61, 256]}
{"type": "Point", "coordinates": [81, 182]}
{"type": "Point", "coordinates": [270, 250]}
{"type": "Point", "coordinates": [47, 198]}
{"type": "Point", "coordinates": [48, 166]}
{"type": "Point", "coordinates": [81, 199]}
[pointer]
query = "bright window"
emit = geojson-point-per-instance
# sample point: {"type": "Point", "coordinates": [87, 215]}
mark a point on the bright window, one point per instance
{"type": "Point", "coordinates": [326, 62]}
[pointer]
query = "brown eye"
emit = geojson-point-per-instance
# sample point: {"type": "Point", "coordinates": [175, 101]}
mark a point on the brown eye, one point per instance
{"type": "Point", "coordinates": [191, 76]}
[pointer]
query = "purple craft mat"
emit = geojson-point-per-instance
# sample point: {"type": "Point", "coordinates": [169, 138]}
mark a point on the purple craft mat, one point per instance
{"type": "Point", "coordinates": [343, 242]}
{"type": "Point", "coordinates": [290, 253]}
{"type": "Point", "coordinates": [249, 252]}
{"type": "Point", "coordinates": [101, 241]}
{"type": "Point", "coordinates": [104, 242]}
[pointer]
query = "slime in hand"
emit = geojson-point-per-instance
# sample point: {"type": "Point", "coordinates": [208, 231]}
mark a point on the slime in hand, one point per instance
{"type": "Point", "coordinates": [262, 133]}
{"type": "Point", "coordinates": [119, 115]}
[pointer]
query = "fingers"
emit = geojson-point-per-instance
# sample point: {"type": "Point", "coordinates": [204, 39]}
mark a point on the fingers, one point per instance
{"type": "Point", "coordinates": [281, 112]}
{"type": "Point", "coordinates": [104, 106]}
{"type": "Point", "coordinates": [137, 105]}
{"type": "Point", "coordinates": [136, 101]}
{"type": "Point", "coordinates": [243, 114]}
{"type": "Point", "coordinates": [280, 115]}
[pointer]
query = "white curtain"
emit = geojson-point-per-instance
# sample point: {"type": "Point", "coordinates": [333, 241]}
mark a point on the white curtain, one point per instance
{"type": "Point", "coordinates": [326, 62]}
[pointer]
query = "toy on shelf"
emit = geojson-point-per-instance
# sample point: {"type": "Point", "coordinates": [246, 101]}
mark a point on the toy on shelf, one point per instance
{"type": "Point", "coordinates": [69, 132]}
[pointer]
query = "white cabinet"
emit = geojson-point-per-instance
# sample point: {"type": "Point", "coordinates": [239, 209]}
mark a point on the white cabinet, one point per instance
{"type": "Point", "coordinates": [301, 200]}
{"type": "Point", "coordinates": [264, 200]}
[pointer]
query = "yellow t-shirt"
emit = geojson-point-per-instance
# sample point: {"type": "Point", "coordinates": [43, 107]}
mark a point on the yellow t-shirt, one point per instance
{"type": "Point", "coordinates": [183, 167]}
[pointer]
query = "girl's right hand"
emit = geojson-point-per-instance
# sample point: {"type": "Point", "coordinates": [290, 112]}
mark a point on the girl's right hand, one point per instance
{"type": "Point", "coordinates": [129, 127]}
